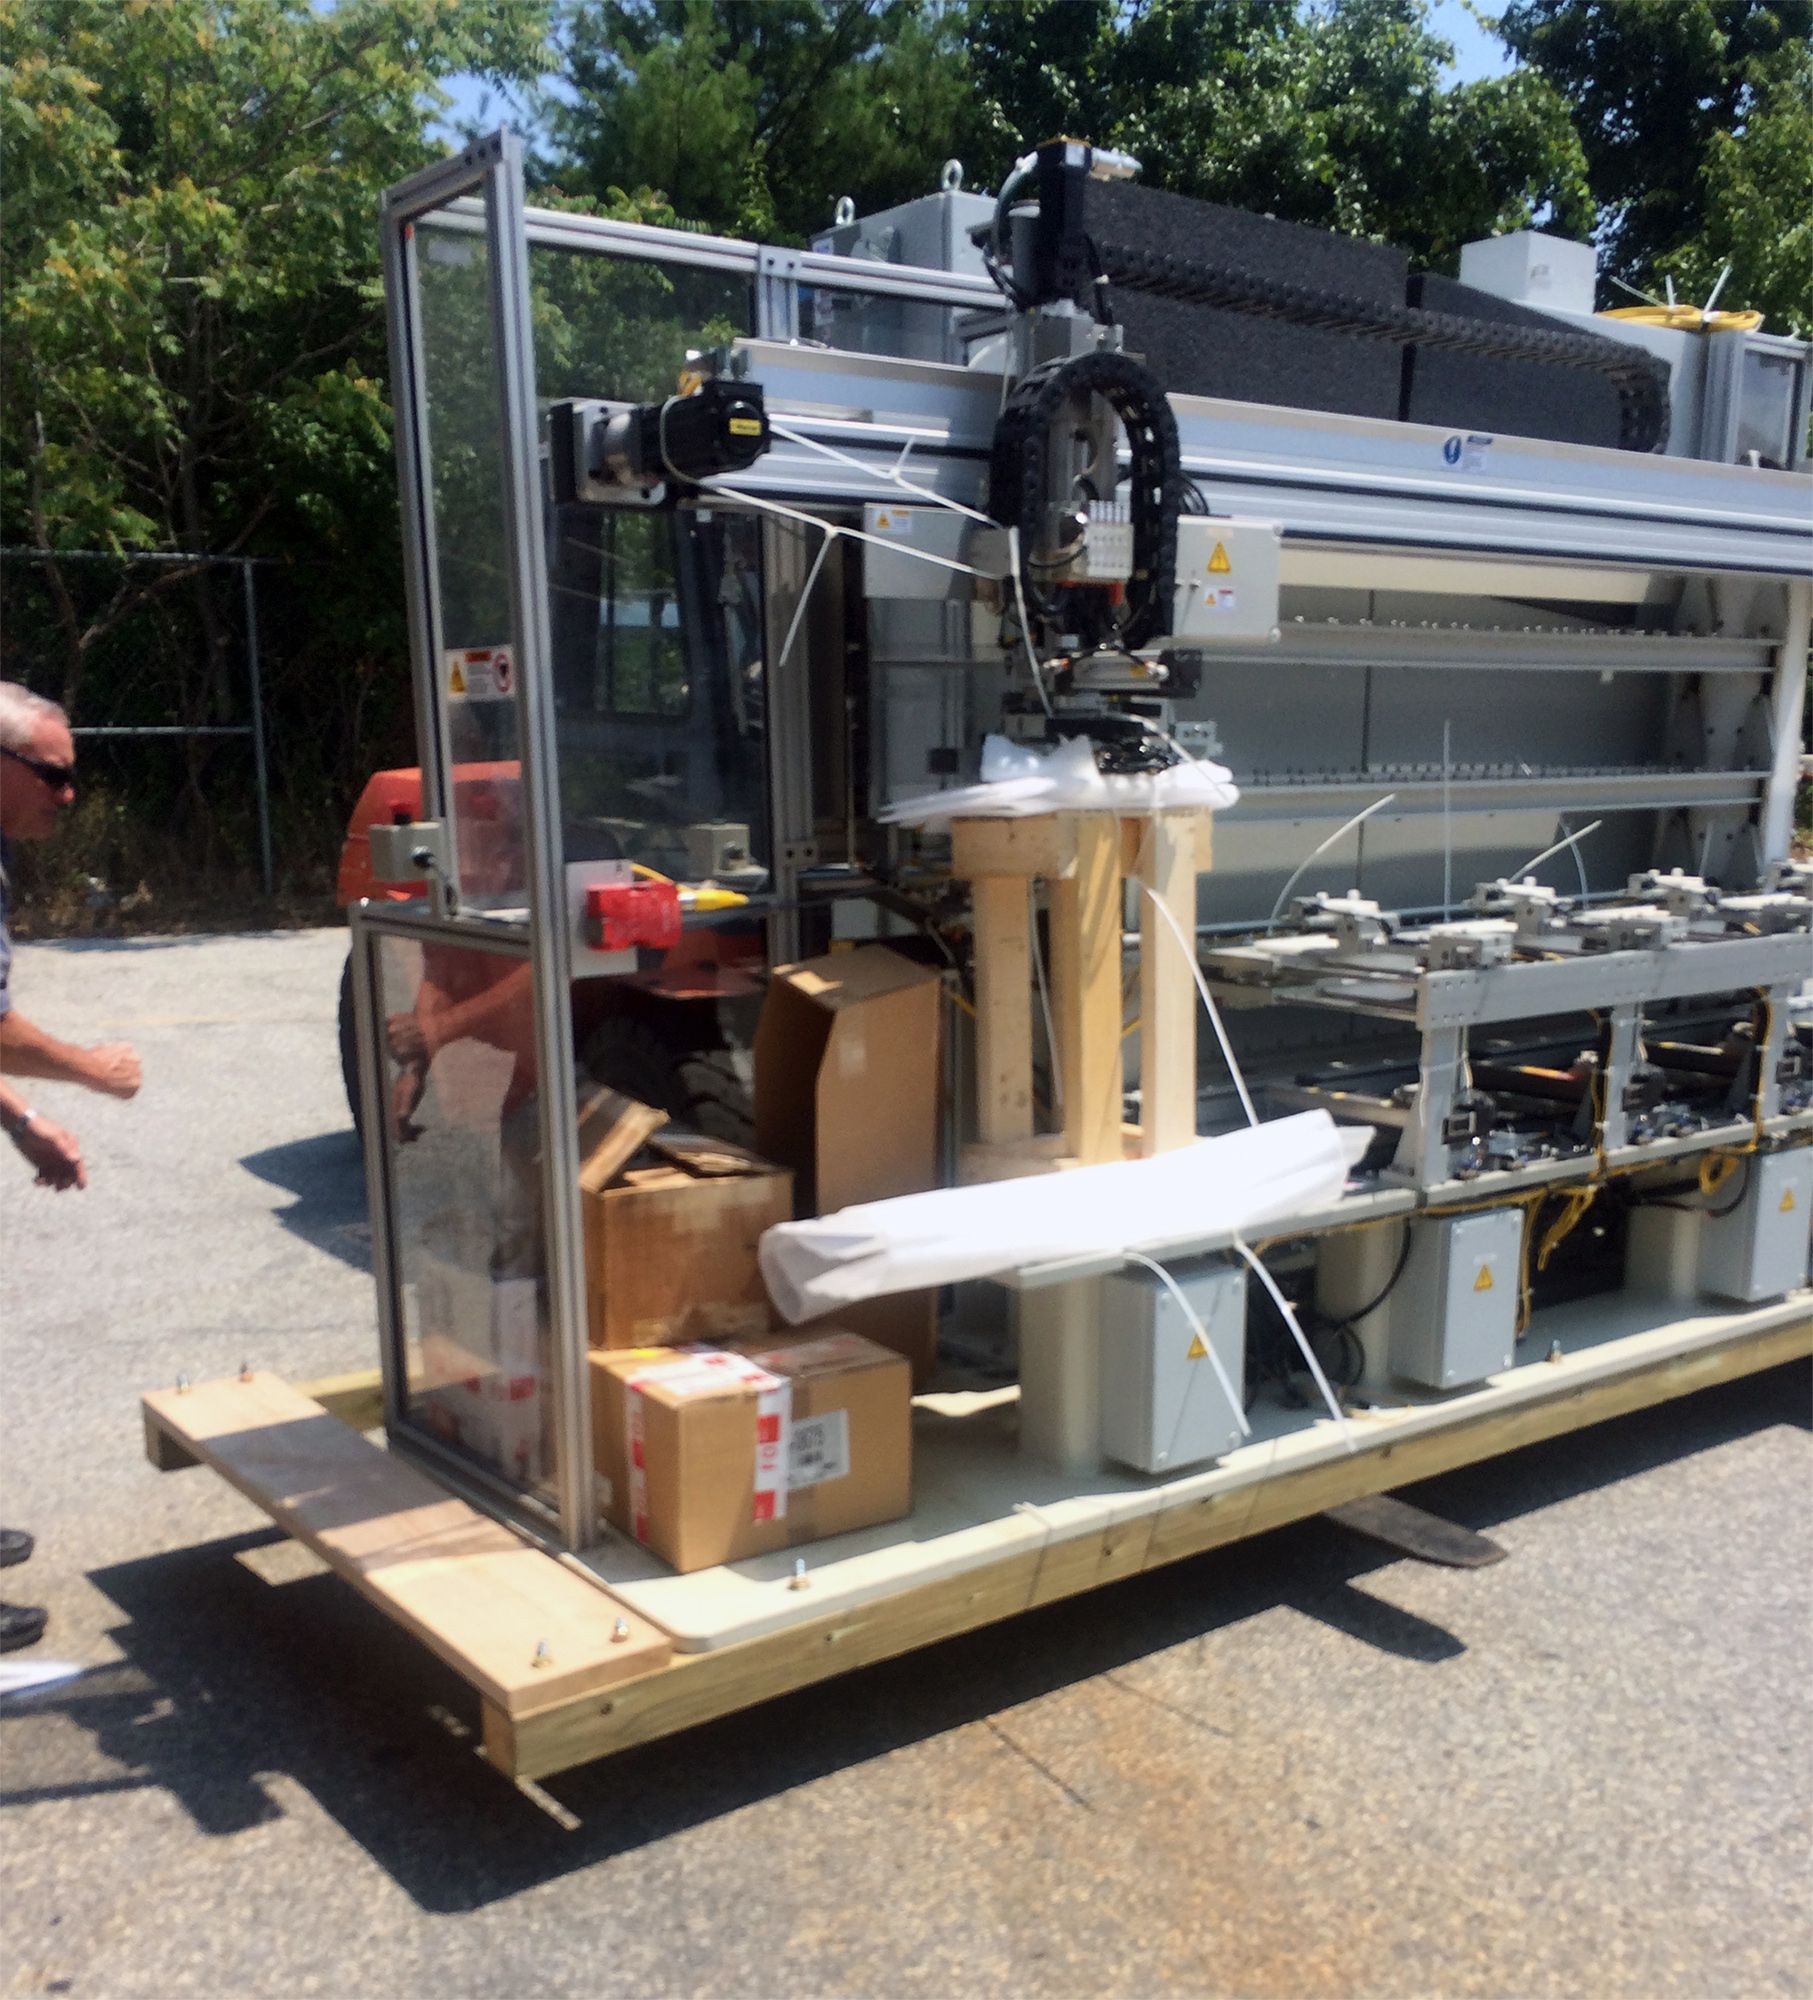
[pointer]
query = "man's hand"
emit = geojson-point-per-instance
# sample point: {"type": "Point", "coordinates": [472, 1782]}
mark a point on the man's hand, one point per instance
{"type": "Point", "coordinates": [53, 1152]}
{"type": "Point", "coordinates": [408, 1040]}
{"type": "Point", "coordinates": [113, 1067]}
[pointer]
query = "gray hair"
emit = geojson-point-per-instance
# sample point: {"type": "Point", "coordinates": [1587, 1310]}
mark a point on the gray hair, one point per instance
{"type": "Point", "coordinates": [20, 713]}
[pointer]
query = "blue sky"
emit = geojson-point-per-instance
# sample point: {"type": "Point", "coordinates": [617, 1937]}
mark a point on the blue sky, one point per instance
{"type": "Point", "coordinates": [1476, 54]}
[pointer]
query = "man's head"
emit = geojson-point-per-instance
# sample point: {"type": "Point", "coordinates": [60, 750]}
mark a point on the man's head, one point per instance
{"type": "Point", "coordinates": [37, 762]}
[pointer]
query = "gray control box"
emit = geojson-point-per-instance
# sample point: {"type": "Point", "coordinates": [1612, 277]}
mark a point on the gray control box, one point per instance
{"type": "Point", "coordinates": [1163, 1405]}
{"type": "Point", "coordinates": [1758, 1250]}
{"type": "Point", "coordinates": [1454, 1311]}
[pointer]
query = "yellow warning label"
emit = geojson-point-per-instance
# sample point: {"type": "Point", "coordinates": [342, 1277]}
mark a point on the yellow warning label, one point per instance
{"type": "Point", "coordinates": [456, 681]}
{"type": "Point", "coordinates": [744, 427]}
{"type": "Point", "coordinates": [1787, 1201]}
{"type": "Point", "coordinates": [1199, 1349]}
{"type": "Point", "coordinates": [1483, 1283]}
{"type": "Point", "coordinates": [1218, 562]}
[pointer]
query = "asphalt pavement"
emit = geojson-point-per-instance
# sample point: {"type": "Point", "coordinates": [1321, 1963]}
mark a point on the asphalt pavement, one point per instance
{"type": "Point", "coordinates": [1300, 1767]}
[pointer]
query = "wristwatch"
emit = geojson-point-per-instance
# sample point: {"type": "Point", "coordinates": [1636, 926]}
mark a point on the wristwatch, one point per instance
{"type": "Point", "coordinates": [16, 1123]}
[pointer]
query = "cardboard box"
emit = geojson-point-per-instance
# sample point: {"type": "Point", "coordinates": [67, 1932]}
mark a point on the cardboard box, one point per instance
{"type": "Point", "coordinates": [847, 1085]}
{"type": "Point", "coordinates": [670, 1247]}
{"type": "Point", "coordinates": [497, 1414]}
{"type": "Point", "coordinates": [711, 1455]}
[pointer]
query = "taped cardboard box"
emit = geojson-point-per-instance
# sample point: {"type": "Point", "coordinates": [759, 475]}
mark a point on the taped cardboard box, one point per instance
{"type": "Point", "coordinates": [714, 1454]}
{"type": "Point", "coordinates": [670, 1241]}
{"type": "Point", "coordinates": [847, 1082]}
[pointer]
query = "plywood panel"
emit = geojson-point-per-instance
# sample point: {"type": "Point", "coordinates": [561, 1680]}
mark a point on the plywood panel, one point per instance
{"type": "Point", "coordinates": [522, 1628]}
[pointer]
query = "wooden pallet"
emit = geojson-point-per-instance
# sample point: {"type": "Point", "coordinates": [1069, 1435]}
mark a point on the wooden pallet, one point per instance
{"type": "Point", "coordinates": [481, 1597]}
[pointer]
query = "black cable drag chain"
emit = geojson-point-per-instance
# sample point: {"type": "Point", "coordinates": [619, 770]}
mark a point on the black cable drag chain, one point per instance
{"type": "Point", "coordinates": [1016, 472]}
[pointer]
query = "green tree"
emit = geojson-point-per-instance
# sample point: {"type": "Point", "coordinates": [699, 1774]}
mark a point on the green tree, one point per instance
{"type": "Point", "coordinates": [192, 359]}
{"type": "Point", "coordinates": [1697, 121]}
{"type": "Point", "coordinates": [1338, 114]}
{"type": "Point", "coordinates": [755, 115]}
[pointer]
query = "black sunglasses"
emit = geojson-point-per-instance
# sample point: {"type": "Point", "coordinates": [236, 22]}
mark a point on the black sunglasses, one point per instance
{"type": "Point", "coordinates": [56, 776]}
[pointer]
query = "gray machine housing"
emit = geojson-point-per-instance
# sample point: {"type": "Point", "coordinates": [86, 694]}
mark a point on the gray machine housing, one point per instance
{"type": "Point", "coordinates": [1163, 1405]}
{"type": "Point", "coordinates": [1757, 1249]}
{"type": "Point", "coordinates": [1450, 1318]}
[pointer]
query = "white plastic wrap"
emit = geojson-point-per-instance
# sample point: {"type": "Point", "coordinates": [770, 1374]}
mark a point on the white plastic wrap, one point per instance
{"type": "Point", "coordinates": [1235, 1184]}
{"type": "Point", "coordinates": [1018, 781]}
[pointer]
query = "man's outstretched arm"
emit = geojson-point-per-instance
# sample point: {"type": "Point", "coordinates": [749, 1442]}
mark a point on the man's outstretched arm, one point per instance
{"type": "Point", "coordinates": [51, 1151]}
{"type": "Point", "coordinates": [26, 1050]}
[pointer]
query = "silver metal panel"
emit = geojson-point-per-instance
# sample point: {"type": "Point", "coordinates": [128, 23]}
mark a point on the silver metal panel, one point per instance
{"type": "Point", "coordinates": [1460, 648]}
{"type": "Point", "coordinates": [1162, 1405]}
{"type": "Point", "coordinates": [1594, 979]}
{"type": "Point", "coordinates": [1758, 1250]}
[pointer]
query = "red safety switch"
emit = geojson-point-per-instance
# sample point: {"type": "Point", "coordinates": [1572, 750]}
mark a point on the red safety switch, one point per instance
{"type": "Point", "coordinates": [619, 916]}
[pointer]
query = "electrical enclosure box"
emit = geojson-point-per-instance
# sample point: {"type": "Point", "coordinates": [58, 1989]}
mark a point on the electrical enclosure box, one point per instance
{"type": "Point", "coordinates": [1759, 1249]}
{"type": "Point", "coordinates": [1227, 581]}
{"type": "Point", "coordinates": [1454, 1310]}
{"type": "Point", "coordinates": [1163, 1405]}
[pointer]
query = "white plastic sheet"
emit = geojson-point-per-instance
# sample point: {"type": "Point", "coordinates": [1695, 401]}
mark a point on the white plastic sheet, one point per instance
{"type": "Point", "coordinates": [1234, 1184]}
{"type": "Point", "coordinates": [1019, 780]}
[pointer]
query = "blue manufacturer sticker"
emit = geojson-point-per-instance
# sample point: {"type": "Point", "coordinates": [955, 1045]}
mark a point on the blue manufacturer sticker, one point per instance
{"type": "Point", "coordinates": [1466, 453]}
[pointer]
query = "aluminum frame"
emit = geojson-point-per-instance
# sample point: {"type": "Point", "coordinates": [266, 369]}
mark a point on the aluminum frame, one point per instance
{"type": "Point", "coordinates": [369, 923]}
{"type": "Point", "coordinates": [493, 167]}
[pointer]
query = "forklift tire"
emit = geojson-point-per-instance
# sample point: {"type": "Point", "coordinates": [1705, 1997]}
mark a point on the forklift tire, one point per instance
{"type": "Point", "coordinates": [706, 1090]}
{"type": "Point", "coordinates": [349, 1045]}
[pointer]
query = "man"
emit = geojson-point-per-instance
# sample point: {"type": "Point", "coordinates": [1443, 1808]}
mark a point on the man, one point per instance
{"type": "Point", "coordinates": [37, 777]}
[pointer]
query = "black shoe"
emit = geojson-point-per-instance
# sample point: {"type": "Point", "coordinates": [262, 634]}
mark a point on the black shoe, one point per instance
{"type": "Point", "coordinates": [21, 1625]}
{"type": "Point", "coordinates": [15, 1546]}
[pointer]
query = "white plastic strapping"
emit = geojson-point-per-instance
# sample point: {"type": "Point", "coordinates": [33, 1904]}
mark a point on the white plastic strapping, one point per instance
{"type": "Point", "coordinates": [1018, 781]}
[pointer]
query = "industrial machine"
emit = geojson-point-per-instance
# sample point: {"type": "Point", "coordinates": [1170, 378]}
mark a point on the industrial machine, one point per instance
{"type": "Point", "coordinates": [738, 573]}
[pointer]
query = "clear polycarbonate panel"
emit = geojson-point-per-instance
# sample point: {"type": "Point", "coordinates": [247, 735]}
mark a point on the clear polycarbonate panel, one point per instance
{"type": "Point", "coordinates": [462, 1155]}
{"type": "Point", "coordinates": [462, 418]}
{"type": "Point", "coordinates": [620, 328]}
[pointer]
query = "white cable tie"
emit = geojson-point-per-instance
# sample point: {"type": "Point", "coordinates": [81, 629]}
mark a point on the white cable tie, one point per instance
{"type": "Point", "coordinates": [805, 595]}
{"type": "Point", "coordinates": [1237, 1403]}
{"type": "Point", "coordinates": [1038, 676]}
{"type": "Point", "coordinates": [1572, 840]}
{"type": "Point", "coordinates": [1208, 1000]}
{"type": "Point", "coordinates": [893, 478]}
{"type": "Point", "coordinates": [1322, 847]}
{"type": "Point", "coordinates": [1051, 1037]}
{"type": "Point", "coordinates": [1290, 1319]}
{"type": "Point", "coordinates": [764, 505]}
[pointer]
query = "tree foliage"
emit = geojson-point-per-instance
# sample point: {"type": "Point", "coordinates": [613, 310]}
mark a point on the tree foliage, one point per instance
{"type": "Point", "coordinates": [1697, 121]}
{"type": "Point", "coordinates": [753, 116]}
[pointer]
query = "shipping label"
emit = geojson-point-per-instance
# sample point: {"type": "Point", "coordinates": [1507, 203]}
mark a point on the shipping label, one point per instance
{"type": "Point", "coordinates": [820, 1449]}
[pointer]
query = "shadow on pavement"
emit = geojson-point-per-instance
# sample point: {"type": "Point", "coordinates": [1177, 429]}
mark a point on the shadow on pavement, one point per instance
{"type": "Point", "coordinates": [326, 1174]}
{"type": "Point", "coordinates": [229, 1679]}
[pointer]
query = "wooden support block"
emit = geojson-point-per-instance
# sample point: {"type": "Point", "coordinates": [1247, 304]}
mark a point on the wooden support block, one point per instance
{"type": "Point", "coordinates": [1043, 845]}
{"type": "Point", "coordinates": [1167, 990]}
{"type": "Point", "coordinates": [1086, 989]}
{"type": "Point", "coordinates": [476, 1594]}
{"type": "Point", "coordinates": [1003, 1009]}
{"type": "Point", "coordinates": [163, 1450]}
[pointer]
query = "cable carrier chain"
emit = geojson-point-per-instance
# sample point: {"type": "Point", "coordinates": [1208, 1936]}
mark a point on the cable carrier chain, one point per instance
{"type": "Point", "coordinates": [1092, 873]}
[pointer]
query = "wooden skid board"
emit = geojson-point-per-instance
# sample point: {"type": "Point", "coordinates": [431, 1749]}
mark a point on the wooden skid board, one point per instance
{"type": "Point", "coordinates": [699, 1686]}
{"type": "Point", "coordinates": [474, 1593]}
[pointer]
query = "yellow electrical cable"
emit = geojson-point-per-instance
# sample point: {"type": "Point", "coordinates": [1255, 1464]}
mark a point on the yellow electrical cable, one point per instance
{"type": "Point", "coordinates": [1684, 318]}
